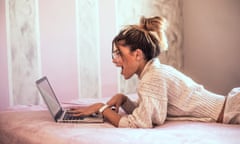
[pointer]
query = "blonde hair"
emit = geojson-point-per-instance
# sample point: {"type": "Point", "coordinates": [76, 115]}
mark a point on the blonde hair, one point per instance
{"type": "Point", "coordinates": [149, 36]}
{"type": "Point", "coordinates": [159, 26]}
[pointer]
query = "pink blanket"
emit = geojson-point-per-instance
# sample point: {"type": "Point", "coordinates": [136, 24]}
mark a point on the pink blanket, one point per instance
{"type": "Point", "coordinates": [34, 124]}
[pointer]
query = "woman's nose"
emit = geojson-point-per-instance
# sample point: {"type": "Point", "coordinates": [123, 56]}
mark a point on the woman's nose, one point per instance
{"type": "Point", "coordinates": [116, 62]}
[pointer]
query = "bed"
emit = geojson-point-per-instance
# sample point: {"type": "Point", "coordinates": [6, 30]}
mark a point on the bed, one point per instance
{"type": "Point", "coordinates": [33, 124]}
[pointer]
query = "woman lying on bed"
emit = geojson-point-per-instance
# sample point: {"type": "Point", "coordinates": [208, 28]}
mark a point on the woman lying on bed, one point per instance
{"type": "Point", "coordinates": [162, 91]}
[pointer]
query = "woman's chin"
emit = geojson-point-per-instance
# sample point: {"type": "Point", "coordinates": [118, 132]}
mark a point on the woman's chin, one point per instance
{"type": "Point", "coordinates": [126, 77]}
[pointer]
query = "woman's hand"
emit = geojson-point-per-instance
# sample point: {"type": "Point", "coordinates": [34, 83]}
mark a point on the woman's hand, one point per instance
{"type": "Point", "coordinates": [117, 101]}
{"type": "Point", "coordinates": [86, 111]}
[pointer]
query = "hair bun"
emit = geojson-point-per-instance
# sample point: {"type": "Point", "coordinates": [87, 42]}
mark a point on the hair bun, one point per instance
{"type": "Point", "coordinates": [143, 22]}
{"type": "Point", "coordinates": [155, 24]}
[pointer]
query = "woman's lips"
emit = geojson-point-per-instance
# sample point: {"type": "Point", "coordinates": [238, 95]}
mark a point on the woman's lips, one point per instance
{"type": "Point", "coordinates": [122, 70]}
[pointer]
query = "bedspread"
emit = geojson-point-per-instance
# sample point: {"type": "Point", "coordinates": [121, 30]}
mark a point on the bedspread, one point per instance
{"type": "Point", "coordinates": [34, 125]}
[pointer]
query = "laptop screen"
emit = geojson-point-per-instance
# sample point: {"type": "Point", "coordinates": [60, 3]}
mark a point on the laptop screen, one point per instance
{"type": "Point", "coordinates": [48, 95]}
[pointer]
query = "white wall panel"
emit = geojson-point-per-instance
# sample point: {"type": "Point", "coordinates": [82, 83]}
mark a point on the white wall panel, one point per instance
{"type": "Point", "coordinates": [88, 48]}
{"type": "Point", "coordinates": [22, 51]}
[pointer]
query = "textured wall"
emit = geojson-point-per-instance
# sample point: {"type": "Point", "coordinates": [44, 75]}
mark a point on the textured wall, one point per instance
{"type": "Point", "coordinates": [4, 84]}
{"type": "Point", "coordinates": [129, 12]}
{"type": "Point", "coordinates": [23, 48]}
{"type": "Point", "coordinates": [88, 48]}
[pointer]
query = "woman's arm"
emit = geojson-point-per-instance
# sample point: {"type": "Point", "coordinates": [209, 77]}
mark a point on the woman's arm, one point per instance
{"type": "Point", "coordinates": [111, 115]}
{"type": "Point", "coordinates": [128, 106]}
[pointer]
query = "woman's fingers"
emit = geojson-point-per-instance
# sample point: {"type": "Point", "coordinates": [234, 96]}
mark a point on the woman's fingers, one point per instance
{"type": "Point", "coordinates": [76, 112]}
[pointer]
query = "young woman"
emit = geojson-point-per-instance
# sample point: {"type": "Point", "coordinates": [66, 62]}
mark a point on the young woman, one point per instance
{"type": "Point", "coordinates": [162, 91]}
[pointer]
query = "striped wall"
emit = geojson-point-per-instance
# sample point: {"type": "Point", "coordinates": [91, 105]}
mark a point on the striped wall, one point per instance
{"type": "Point", "coordinates": [70, 42]}
{"type": "Point", "coordinates": [22, 44]}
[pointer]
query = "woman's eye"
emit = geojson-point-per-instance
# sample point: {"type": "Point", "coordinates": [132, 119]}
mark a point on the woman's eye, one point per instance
{"type": "Point", "coordinates": [118, 53]}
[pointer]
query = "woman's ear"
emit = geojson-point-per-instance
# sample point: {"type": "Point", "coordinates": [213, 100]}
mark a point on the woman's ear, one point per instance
{"type": "Point", "coordinates": [139, 54]}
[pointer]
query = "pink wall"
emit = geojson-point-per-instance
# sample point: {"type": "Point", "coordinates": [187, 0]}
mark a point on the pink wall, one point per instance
{"type": "Point", "coordinates": [107, 33]}
{"type": "Point", "coordinates": [212, 43]}
{"type": "Point", "coordinates": [4, 93]}
{"type": "Point", "coordinates": [58, 46]}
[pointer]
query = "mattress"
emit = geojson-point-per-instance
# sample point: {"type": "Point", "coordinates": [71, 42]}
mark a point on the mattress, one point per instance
{"type": "Point", "coordinates": [28, 124]}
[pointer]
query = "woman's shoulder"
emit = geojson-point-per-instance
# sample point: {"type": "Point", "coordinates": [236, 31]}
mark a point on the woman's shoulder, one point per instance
{"type": "Point", "coordinates": [158, 68]}
{"type": "Point", "coordinates": [158, 73]}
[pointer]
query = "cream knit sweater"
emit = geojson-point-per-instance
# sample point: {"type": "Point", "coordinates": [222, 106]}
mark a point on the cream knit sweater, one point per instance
{"type": "Point", "coordinates": [166, 92]}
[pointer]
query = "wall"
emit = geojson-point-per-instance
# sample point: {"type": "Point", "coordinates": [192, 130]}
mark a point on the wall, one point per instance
{"type": "Point", "coordinates": [4, 99]}
{"type": "Point", "coordinates": [59, 40]}
{"type": "Point", "coordinates": [212, 43]}
{"type": "Point", "coordinates": [23, 55]}
{"type": "Point", "coordinates": [70, 42]}
{"type": "Point", "coordinates": [57, 28]}
{"type": "Point", "coordinates": [107, 30]}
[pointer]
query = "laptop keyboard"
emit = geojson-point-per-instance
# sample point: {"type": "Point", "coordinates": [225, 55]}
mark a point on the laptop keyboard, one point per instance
{"type": "Point", "coordinates": [68, 116]}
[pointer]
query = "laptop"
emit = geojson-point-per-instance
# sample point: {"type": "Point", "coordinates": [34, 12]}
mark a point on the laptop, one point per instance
{"type": "Point", "coordinates": [58, 113]}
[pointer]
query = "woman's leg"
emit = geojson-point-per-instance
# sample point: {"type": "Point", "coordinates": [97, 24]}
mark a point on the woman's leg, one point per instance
{"type": "Point", "coordinates": [232, 107]}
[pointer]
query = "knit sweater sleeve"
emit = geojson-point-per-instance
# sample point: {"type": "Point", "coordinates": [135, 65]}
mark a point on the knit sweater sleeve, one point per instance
{"type": "Point", "coordinates": [128, 106]}
{"type": "Point", "coordinates": [152, 108]}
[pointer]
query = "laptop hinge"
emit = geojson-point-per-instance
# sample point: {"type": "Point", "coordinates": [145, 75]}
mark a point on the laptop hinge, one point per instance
{"type": "Point", "coordinates": [58, 115]}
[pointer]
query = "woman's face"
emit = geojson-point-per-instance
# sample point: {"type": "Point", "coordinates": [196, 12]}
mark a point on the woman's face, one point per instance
{"type": "Point", "coordinates": [130, 62]}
